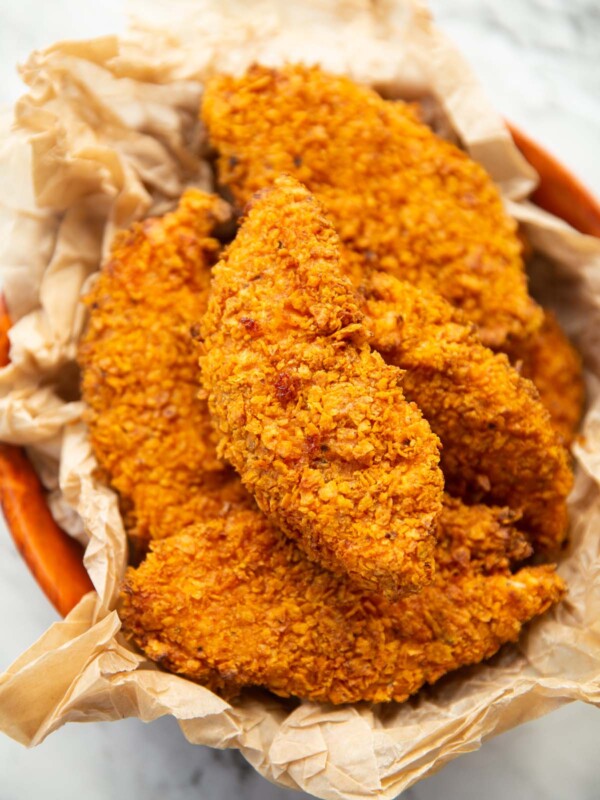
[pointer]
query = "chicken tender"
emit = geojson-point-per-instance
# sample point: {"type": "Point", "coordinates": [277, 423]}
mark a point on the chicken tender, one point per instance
{"type": "Point", "coordinates": [312, 419]}
{"type": "Point", "coordinates": [478, 537]}
{"type": "Point", "coordinates": [551, 362]}
{"type": "Point", "coordinates": [233, 603]}
{"type": "Point", "coordinates": [228, 600]}
{"type": "Point", "coordinates": [402, 200]}
{"type": "Point", "coordinates": [498, 441]}
{"type": "Point", "coordinates": [149, 431]}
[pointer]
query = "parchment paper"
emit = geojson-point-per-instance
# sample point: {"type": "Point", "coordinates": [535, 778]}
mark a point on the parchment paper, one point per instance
{"type": "Point", "coordinates": [108, 134]}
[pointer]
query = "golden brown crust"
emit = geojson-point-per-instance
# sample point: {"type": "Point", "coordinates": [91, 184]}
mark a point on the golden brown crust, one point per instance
{"type": "Point", "coordinates": [230, 601]}
{"type": "Point", "coordinates": [150, 433]}
{"type": "Point", "coordinates": [483, 538]}
{"type": "Point", "coordinates": [498, 441]}
{"type": "Point", "coordinates": [551, 362]}
{"type": "Point", "coordinates": [403, 200]}
{"type": "Point", "coordinates": [312, 419]}
{"type": "Point", "coordinates": [233, 603]}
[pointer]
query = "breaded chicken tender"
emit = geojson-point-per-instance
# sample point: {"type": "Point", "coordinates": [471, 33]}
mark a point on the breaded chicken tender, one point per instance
{"type": "Point", "coordinates": [233, 603]}
{"type": "Point", "coordinates": [402, 200]}
{"type": "Point", "coordinates": [499, 444]}
{"type": "Point", "coordinates": [149, 431]}
{"type": "Point", "coordinates": [478, 537]}
{"type": "Point", "coordinates": [312, 419]}
{"type": "Point", "coordinates": [551, 362]}
{"type": "Point", "coordinates": [228, 600]}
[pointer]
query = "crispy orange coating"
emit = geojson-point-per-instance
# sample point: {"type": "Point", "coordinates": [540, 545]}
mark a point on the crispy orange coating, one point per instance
{"type": "Point", "coordinates": [498, 441]}
{"type": "Point", "coordinates": [233, 603]}
{"type": "Point", "coordinates": [313, 420]}
{"type": "Point", "coordinates": [218, 600]}
{"type": "Point", "coordinates": [549, 360]}
{"type": "Point", "coordinates": [150, 433]}
{"type": "Point", "coordinates": [478, 537]}
{"type": "Point", "coordinates": [402, 199]}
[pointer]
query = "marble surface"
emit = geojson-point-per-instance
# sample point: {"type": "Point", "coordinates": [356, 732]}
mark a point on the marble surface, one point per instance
{"type": "Point", "coordinates": [540, 61]}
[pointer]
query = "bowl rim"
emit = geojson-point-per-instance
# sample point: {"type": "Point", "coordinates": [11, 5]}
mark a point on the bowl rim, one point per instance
{"type": "Point", "coordinates": [559, 192]}
{"type": "Point", "coordinates": [56, 559]}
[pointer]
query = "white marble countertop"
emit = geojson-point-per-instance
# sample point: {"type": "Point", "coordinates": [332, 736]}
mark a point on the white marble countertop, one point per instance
{"type": "Point", "coordinates": [540, 61]}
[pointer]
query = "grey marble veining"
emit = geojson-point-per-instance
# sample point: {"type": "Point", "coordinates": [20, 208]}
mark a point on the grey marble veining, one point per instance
{"type": "Point", "coordinates": [540, 61]}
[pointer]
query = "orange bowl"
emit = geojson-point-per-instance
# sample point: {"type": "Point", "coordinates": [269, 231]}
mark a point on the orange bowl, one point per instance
{"type": "Point", "coordinates": [56, 560]}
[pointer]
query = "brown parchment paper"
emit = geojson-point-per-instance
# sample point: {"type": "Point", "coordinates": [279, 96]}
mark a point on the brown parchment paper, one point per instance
{"type": "Point", "coordinates": [108, 134]}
